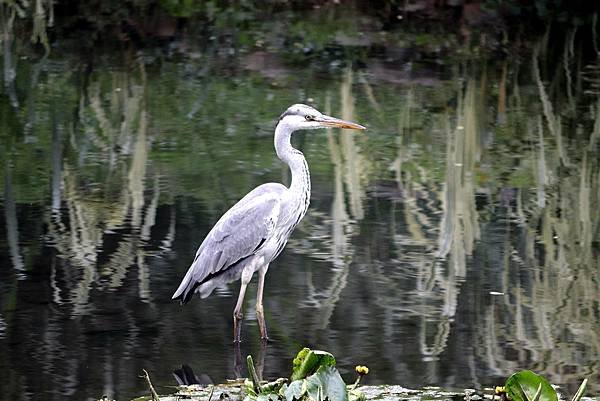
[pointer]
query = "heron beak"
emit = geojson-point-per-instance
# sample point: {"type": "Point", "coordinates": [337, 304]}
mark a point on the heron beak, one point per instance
{"type": "Point", "coordinates": [338, 123]}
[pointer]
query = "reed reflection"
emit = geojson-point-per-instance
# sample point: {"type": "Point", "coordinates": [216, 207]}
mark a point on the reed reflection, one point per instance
{"type": "Point", "coordinates": [99, 227]}
{"type": "Point", "coordinates": [412, 226]}
{"type": "Point", "coordinates": [337, 228]}
{"type": "Point", "coordinates": [546, 270]}
{"type": "Point", "coordinates": [81, 229]}
{"type": "Point", "coordinates": [12, 224]}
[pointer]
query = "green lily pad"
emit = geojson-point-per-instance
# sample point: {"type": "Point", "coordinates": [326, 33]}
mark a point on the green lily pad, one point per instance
{"type": "Point", "coordinates": [523, 386]}
{"type": "Point", "coordinates": [309, 361]}
{"type": "Point", "coordinates": [326, 383]}
{"type": "Point", "coordinates": [294, 391]}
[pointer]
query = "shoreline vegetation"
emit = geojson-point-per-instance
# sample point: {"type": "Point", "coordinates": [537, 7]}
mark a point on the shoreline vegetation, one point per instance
{"type": "Point", "coordinates": [300, 29]}
{"type": "Point", "coordinates": [232, 391]}
{"type": "Point", "coordinates": [314, 377]}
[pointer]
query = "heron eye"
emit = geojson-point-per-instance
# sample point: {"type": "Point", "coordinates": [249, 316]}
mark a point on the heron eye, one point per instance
{"type": "Point", "coordinates": [309, 117]}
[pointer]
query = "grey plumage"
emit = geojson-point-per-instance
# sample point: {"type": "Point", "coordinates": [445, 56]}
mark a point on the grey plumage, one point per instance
{"type": "Point", "coordinates": [239, 234]}
{"type": "Point", "coordinates": [255, 230]}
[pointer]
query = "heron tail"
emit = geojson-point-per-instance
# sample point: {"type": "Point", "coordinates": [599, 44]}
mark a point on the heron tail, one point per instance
{"type": "Point", "coordinates": [186, 289]}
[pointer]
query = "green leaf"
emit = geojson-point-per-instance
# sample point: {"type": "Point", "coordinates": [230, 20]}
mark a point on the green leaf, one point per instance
{"type": "Point", "coordinates": [253, 376]}
{"type": "Point", "coordinates": [524, 386]}
{"type": "Point", "coordinates": [274, 386]}
{"type": "Point", "coordinates": [326, 383]}
{"type": "Point", "coordinates": [294, 391]}
{"type": "Point", "coordinates": [538, 392]}
{"type": "Point", "coordinates": [308, 361]}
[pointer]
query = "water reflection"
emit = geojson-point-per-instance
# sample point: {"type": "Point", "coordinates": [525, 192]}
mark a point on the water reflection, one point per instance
{"type": "Point", "coordinates": [12, 225]}
{"type": "Point", "coordinates": [337, 229]}
{"type": "Point", "coordinates": [87, 224]}
{"type": "Point", "coordinates": [112, 176]}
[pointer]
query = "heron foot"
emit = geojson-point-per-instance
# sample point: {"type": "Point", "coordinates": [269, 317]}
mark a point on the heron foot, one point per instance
{"type": "Point", "coordinates": [263, 333]}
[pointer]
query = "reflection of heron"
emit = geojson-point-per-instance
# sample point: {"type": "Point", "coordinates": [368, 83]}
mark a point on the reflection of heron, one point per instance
{"type": "Point", "coordinates": [255, 230]}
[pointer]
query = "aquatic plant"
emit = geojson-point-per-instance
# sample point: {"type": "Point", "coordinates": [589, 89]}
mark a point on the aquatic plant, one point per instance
{"type": "Point", "coordinates": [314, 378]}
{"type": "Point", "coordinates": [525, 385]}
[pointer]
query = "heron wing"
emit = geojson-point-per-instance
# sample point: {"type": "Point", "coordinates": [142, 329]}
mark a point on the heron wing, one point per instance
{"type": "Point", "coordinates": [238, 234]}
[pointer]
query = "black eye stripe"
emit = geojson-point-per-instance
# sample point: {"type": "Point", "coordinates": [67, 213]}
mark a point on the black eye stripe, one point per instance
{"type": "Point", "coordinates": [289, 113]}
{"type": "Point", "coordinates": [297, 112]}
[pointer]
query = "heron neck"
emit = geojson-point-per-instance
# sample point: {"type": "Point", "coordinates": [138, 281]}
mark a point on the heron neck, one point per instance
{"type": "Point", "coordinates": [294, 159]}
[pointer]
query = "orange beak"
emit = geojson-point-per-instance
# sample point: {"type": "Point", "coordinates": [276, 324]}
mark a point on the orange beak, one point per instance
{"type": "Point", "coordinates": [338, 123]}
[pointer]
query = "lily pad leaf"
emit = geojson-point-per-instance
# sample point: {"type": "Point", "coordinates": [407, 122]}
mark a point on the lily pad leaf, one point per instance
{"type": "Point", "coordinates": [326, 383]}
{"type": "Point", "coordinates": [309, 361]}
{"type": "Point", "coordinates": [527, 386]}
{"type": "Point", "coordinates": [294, 391]}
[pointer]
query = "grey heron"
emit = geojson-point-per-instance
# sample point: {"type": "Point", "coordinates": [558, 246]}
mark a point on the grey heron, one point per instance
{"type": "Point", "coordinates": [250, 235]}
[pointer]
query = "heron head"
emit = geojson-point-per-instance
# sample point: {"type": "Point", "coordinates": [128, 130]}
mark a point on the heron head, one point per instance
{"type": "Point", "coordinates": [301, 116]}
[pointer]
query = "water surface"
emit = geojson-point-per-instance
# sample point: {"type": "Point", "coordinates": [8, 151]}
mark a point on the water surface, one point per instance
{"type": "Point", "coordinates": [451, 244]}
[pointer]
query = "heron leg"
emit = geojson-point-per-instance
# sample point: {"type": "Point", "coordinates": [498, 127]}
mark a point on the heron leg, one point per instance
{"type": "Point", "coordinates": [238, 365]}
{"type": "Point", "coordinates": [238, 315]}
{"type": "Point", "coordinates": [260, 364]}
{"type": "Point", "coordinates": [260, 313]}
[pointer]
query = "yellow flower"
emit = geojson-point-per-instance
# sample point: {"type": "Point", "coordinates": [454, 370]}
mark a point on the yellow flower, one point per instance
{"type": "Point", "coordinates": [362, 370]}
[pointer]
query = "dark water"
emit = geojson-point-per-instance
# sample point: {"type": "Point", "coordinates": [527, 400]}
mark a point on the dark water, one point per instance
{"type": "Point", "coordinates": [453, 243]}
